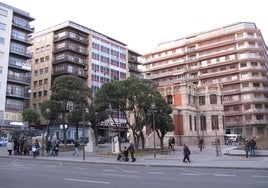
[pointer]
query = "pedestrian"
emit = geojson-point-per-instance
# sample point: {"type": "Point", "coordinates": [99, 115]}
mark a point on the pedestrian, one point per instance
{"type": "Point", "coordinates": [247, 147]}
{"type": "Point", "coordinates": [252, 147]}
{"type": "Point", "coordinates": [186, 153]}
{"type": "Point", "coordinates": [131, 149]}
{"type": "Point", "coordinates": [123, 156]}
{"type": "Point", "coordinates": [170, 142]}
{"type": "Point", "coordinates": [9, 147]}
{"type": "Point", "coordinates": [76, 145]}
{"type": "Point", "coordinates": [200, 144]}
{"type": "Point", "coordinates": [35, 148]}
{"type": "Point", "coordinates": [48, 146]}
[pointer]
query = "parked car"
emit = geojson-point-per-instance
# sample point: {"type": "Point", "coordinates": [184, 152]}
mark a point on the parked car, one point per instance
{"type": "Point", "coordinates": [123, 140]}
{"type": "Point", "coordinates": [68, 140]}
{"type": "Point", "coordinates": [3, 142]}
{"type": "Point", "coordinates": [101, 140]}
{"type": "Point", "coordinates": [81, 140]}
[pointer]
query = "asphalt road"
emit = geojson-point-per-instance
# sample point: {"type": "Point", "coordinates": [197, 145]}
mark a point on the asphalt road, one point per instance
{"type": "Point", "coordinates": [24, 173]}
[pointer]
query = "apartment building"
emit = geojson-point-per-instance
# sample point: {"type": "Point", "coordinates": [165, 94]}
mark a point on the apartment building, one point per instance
{"type": "Point", "coordinates": [227, 67]}
{"type": "Point", "coordinates": [134, 64]}
{"type": "Point", "coordinates": [15, 67]}
{"type": "Point", "coordinates": [72, 49]}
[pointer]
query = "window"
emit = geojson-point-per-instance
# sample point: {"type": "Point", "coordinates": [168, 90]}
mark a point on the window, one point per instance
{"type": "Point", "coordinates": [3, 12]}
{"type": "Point", "coordinates": [2, 26]}
{"type": "Point", "coordinates": [244, 75]}
{"type": "Point", "coordinates": [202, 100]}
{"type": "Point", "coordinates": [239, 35]}
{"type": "Point", "coordinates": [213, 99]}
{"type": "Point", "coordinates": [169, 99]}
{"type": "Point", "coordinates": [245, 85]}
{"type": "Point", "coordinates": [190, 120]}
{"type": "Point", "coordinates": [215, 122]}
{"type": "Point", "coordinates": [234, 77]}
{"type": "Point", "coordinates": [235, 98]}
{"type": "Point", "coordinates": [45, 81]}
{"type": "Point", "coordinates": [41, 71]}
{"type": "Point", "coordinates": [260, 130]}
{"type": "Point", "coordinates": [46, 70]}
{"type": "Point", "coordinates": [2, 40]}
{"type": "Point", "coordinates": [213, 61]}
{"type": "Point", "coordinates": [246, 96]}
{"type": "Point", "coordinates": [243, 65]}
{"type": "Point", "coordinates": [254, 64]}
{"type": "Point", "coordinates": [247, 107]}
{"type": "Point", "coordinates": [232, 66]}
{"type": "Point", "coordinates": [203, 123]}
{"type": "Point", "coordinates": [214, 70]}
{"type": "Point", "coordinates": [47, 47]}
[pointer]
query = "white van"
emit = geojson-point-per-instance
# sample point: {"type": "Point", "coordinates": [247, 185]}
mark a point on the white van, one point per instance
{"type": "Point", "coordinates": [232, 138]}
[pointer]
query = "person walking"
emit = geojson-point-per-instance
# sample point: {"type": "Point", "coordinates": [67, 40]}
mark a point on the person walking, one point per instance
{"type": "Point", "coordinates": [131, 149]}
{"type": "Point", "coordinates": [170, 142]}
{"type": "Point", "coordinates": [76, 145]}
{"type": "Point", "coordinates": [35, 148]}
{"type": "Point", "coordinates": [186, 153]}
{"type": "Point", "coordinates": [9, 147]}
{"type": "Point", "coordinates": [247, 147]}
{"type": "Point", "coordinates": [252, 147]}
{"type": "Point", "coordinates": [200, 144]}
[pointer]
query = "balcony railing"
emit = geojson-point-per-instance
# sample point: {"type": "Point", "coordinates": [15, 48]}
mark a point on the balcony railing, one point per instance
{"type": "Point", "coordinates": [20, 79]}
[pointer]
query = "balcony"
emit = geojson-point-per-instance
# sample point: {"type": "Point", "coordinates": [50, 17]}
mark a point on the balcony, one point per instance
{"type": "Point", "coordinates": [73, 48]}
{"type": "Point", "coordinates": [66, 58]}
{"type": "Point", "coordinates": [21, 39]}
{"type": "Point", "coordinates": [68, 36]}
{"type": "Point", "coordinates": [17, 108]}
{"type": "Point", "coordinates": [18, 93]}
{"type": "Point", "coordinates": [24, 54]}
{"type": "Point", "coordinates": [19, 79]}
{"type": "Point", "coordinates": [27, 28]}
{"type": "Point", "coordinates": [65, 70]}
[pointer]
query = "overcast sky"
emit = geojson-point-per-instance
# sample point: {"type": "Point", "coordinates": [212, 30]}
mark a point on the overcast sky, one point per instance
{"type": "Point", "coordinates": [143, 24]}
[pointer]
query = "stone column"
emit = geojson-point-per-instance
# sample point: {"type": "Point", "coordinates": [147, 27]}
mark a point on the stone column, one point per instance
{"type": "Point", "coordinates": [115, 145]}
{"type": "Point", "coordinates": [91, 146]}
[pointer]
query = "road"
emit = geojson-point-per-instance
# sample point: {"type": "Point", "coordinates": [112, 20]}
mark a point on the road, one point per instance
{"type": "Point", "coordinates": [24, 173]}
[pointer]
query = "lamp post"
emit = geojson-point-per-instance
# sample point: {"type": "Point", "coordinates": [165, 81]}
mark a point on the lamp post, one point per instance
{"type": "Point", "coordinates": [47, 116]}
{"type": "Point", "coordinates": [202, 129]}
{"type": "Point", "coordinates": [153, 108]}
{"type": "Point", "coordinates": [84, 153]}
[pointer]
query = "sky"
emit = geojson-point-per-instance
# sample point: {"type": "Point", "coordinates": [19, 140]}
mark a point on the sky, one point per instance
{"type": "Point", "coordinates": [143, 24]}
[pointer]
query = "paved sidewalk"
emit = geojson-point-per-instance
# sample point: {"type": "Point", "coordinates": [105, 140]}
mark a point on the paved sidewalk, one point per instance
{"type": "Point", "coordinates": [206, 158]}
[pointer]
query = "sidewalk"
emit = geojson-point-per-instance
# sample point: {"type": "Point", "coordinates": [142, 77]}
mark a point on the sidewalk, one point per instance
{"type": "Point", "coordinates": [206, 158]}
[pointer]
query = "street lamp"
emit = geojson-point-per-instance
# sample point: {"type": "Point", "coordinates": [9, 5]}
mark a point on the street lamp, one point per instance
{"type": "Point", "coordinates": [84, 153]}
{"type": "Point", "coordinates": [48, 116]}
{"type": "Point", "coordinates": [153, 110]}
{"type": "Point", "coordinates": [202, 129]}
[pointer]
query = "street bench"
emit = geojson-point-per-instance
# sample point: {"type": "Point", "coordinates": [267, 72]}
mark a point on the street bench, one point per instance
{"type": "Point", "coordinates": [167, 150]}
